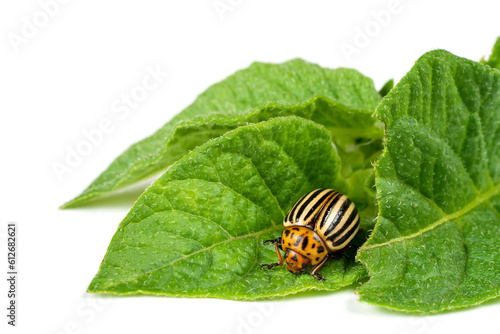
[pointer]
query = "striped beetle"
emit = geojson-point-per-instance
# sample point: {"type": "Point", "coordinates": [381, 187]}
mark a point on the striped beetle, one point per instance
{"type": "Point", "coordinates": [318, 227]}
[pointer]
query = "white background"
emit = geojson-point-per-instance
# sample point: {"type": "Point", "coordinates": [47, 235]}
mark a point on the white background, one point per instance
{"type": "Point", "coordinates": [64, 79]}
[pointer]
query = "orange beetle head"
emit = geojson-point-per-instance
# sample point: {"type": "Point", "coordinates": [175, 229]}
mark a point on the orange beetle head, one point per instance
{"type": "Point", "coordinates": [295, 262]}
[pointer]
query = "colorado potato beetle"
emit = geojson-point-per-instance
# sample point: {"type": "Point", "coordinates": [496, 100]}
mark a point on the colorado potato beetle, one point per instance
{"type": "Point", "coordinates": [318, 227]}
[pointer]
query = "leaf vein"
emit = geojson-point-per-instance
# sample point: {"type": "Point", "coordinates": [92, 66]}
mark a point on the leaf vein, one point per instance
{"type": "Point", "coordinates": [203, 250]}
{"type": "Point", "coordinates": [457, 214]}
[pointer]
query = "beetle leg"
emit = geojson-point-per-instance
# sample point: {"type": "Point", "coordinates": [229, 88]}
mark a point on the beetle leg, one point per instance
{"type": "Point", "coordinates": [269, 266]}
{"type": "Point", "coordinates": [273, 242]}
{"type": "Point", "coordinates": [314, 272]}
{"type": "Point", "coordinates": [277, 244]}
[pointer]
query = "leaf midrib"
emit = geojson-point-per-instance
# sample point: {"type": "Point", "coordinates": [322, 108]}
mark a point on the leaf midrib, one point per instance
{"type": "Point", "coordinates": [258, 233]}
{"type": "Point", "coordinates": [457, 214]}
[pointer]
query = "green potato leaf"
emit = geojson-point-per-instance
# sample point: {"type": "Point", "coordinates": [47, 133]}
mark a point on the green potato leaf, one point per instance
{"type": "Point", "coordinates": [198, 230]}
{"type": "Point", "coordinates": [436, 244]}
{"type": "Point", "coordinates": [343, 100]}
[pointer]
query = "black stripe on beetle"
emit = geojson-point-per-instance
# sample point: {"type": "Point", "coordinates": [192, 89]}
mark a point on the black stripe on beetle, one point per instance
{"type": "Point", "coordinates": [294, 208]}
{"type": "Point", "coordinates": [347, 223]}
{"type": "Point", "coordinates": [302, 207]}
{"type": "Point", "coordinates": [339, 215]}
{"type": "Point", "coordinates": [319, 202]}
{"type": "Point", "coordinates": [347, 235]}
{"type": "Point", "coordinates": [329, 210]}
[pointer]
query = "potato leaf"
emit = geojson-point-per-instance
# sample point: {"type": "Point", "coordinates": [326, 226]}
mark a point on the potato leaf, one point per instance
{"type": "Point", "coordinates": [343, 100]}
{"type": "Point", "coordinates": [436, 245]}
{"type": "Point", "coordinates": [198, 230]}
